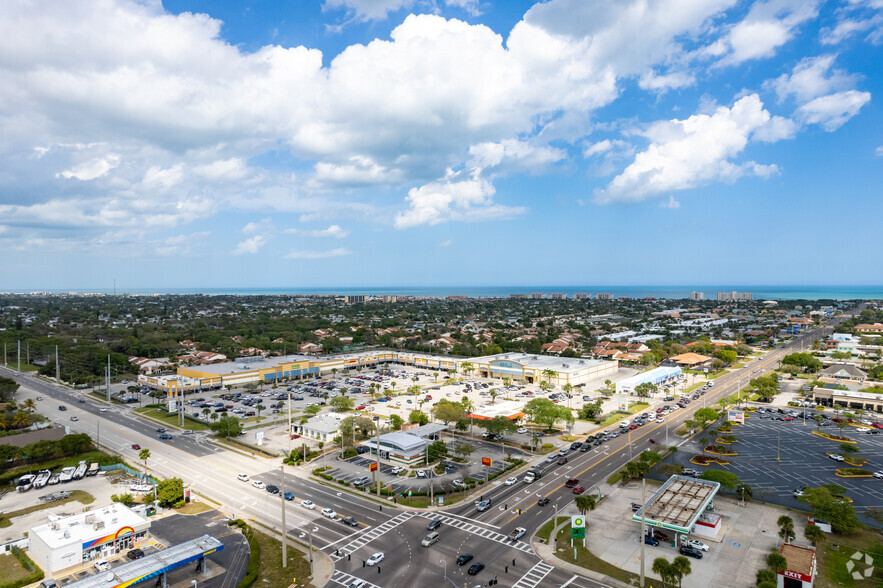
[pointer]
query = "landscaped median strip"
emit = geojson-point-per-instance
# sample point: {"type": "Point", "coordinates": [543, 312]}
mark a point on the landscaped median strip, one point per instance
{"type": "Point", "coordinates": [853, 473]}
{"type": "Point", "coordinates": [705, 460]}
{"type": "Point", "coordinates": [833, 437]}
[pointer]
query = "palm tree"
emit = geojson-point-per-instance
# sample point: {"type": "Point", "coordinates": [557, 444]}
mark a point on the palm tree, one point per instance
{"type": "Point", "coordinates": [586, 502]}
{"type": "Point", "coordinates": [814, 534]}
{"type": "Point", "coordinates": [469, 407]}
{"type": "Point", "coordinates": [704, 442]}
{"type": "Point", "coordinates": [21, 419]}
{"type": "Point", "coordinates": [549, 374]}
{"type": "Point", "coordinates": [494, 395]}
{"type": "Point", "coordinates": [29, 405]}
{"type": "Point", "coordinates": [466, 367]}
{"type": "Point", "coordinates": [393, 386]}
{"type": "Point", "coordinates": [544, 386]}
{"type": "Point", "coordinates": [144, 455]}
{"type": "Point", "coordinates": [214, 416]}
{"type": "Point", "coordinates": [259, 408]}
{"type": "Point", "coordinates": [681, 567]}
{"type": "Point", "coordinates": [786, 528]}
{"type": "Point", "coordinates": [206, 412]}
{"type": "Point", "coordinates": [663, 568]}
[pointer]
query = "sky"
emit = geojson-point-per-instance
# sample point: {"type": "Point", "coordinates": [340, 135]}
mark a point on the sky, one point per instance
{"type": "Point", "coordinates": [284, 143]}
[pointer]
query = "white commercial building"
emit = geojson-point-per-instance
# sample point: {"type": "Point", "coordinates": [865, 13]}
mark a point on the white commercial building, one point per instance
{"type": "Point", "coordinates": [400, 447]}
{"type": "Point", "coordinates": [323, 427]}
{"type": "Point", "coordinates": [100, 533]}
{"type": "Point", "coordinates": [660, 375]}
{"type": "Point", "coordinates": [535, 368]}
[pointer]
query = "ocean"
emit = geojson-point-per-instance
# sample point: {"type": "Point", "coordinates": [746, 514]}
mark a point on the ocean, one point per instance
{"type": "Point", "coordinates": [668, 292]}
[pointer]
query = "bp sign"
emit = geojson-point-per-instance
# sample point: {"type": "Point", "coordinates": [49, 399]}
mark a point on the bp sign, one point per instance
{"type": "Point", "coordinates": [577, 527]}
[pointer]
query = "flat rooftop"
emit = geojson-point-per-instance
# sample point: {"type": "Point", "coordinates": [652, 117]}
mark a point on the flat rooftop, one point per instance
{"type": "Point", "coordinates": [542, 362]}
{"type": "Point", "coordinates": [90, 526]}
{"type": "Point", "coordinates": [509, 409]}
{"type": "Point", "coordinates": [678, 503]}
{"type": "Point", "coordinates": [800, 559]}
{"type": "Point", "coordinates": [249, 364]}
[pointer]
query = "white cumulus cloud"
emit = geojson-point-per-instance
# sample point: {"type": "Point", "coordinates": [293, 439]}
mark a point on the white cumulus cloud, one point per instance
{"type": "Point", "coordinates": [95, 168]}
{"type": "Point", "coordinates": [692, 152]}
{"type": "Point", "coordinates": [333, 231]}
{"type": "Point", "coordinates": [832, 111]}
{"type": "Point", "coordinates": [338, 252]}
{"type": "Point", "coordinates": [767, 26]}
{"type": "Point", "coordinates": [251, 245]}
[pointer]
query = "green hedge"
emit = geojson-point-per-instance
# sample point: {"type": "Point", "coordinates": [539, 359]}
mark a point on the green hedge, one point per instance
{"type": "Point", "coordinates": [36, 574]}
{"type": "Point", "coordinates": [254, 559]}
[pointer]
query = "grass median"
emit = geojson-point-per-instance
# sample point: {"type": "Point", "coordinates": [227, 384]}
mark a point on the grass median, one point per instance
{"type": "Point", "coordinates": [171, 419]}
{"type": "Point", "coordinates": [588, 560]}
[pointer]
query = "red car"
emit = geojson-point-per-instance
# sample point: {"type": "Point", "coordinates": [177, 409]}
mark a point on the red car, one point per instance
{"type": "Point", "coordinates": [788, 418]}
{"type": "Point", "coordinates": [578, 490]}
{"type": "Point", "coordinates": [135, 446]}
{"type": "Point", "coordinates": [295, 436]}
{"type": "Point", "coordinates": [428, 397]}
{"type": "Point", "coordinates": [837, 420]}
{"type": "Point", "coordinates": [632, 427]}
{"type": "Point", "coordinates": [571, 482]}
{"type": "Point", "coordinates": [360, 407]}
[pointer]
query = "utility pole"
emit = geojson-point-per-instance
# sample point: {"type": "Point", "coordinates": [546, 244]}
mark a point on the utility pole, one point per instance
{"type": "Point", "coordinates": [4, 354]}
{"type": "Point", "coordinates": [57, 367]}
{"type": "Point", "coordinates": [643, 527]}
{"type": "Point", "coordinates": [284, 528]}
{"type": "Point", "coordinates": [377, 474]}
{"type": "Point", "coordinates": [27, 353]}
{"type": "Point", "coordinates": [289, 423]}
{"type": "Point", "coordinates": [18, 356]}
{"type": "Point", "coordinates": [108, 376]}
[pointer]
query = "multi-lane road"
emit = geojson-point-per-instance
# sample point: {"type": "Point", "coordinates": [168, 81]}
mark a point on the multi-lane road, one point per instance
{"type": "Point", "coordinates": [394, 530]}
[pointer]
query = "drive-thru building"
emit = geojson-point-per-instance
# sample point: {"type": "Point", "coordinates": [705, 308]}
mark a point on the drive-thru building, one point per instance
{"type": "Point", "coordinates": [683, 505]}
{"type": "Point", "coordinates": [398, 447]}
{"type": "Point", "coordinates": [95, 534]}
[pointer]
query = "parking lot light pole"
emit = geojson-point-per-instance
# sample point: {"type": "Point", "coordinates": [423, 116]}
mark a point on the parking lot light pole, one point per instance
{"type": "Point", "coordinates": [778, 443]}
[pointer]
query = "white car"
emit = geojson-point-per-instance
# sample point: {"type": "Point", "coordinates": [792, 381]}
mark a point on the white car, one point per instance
{"type": "Point", "coordinates": [660, 420]}
{"type": "Point", "coordinates": [327, 512]}
{"type": "Point", "coordinates": [421, 473]}
{"type": "Point", "coordinates": [624, 424]}
{"type": "Point", "coordinates": [511, 481]}
{"type": "Point", "coordinates": [695, 544]}
{"type": "Point", "coordinates": [242, 477]}
{"type": "Point", "coordinates": [836, 457]}
{"type": "Point", "coordinates": [357, 584]}
{"type": "Point", "coordinates": [101, 565]}
{"type": "Point", "coordinates": [397, 470]}
{"type": "Point", "coordinates": [878, 474]}
{"type": "Point", "coordinates": [259, 485]}
{"type": "Point", "coordinates": [102, 409]}
{"type": "Point", "coordinates": [308, 504]}
{"type": "Point", "coordinates": [862, 429]}
{"type": "Point", "coordinates": [375, 559]}
{"type": "Point", "coordinates": [522, 430]}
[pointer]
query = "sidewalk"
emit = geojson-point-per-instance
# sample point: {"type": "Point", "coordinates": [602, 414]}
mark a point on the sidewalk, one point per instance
{"type": "Point", "coordinates": [547, 554]}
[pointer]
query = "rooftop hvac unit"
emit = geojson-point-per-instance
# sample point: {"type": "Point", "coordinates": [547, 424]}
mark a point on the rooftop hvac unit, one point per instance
{"type": "Point", "coordinates": [67, 534]}
{"type": "Point", "coordinates": [98, 525]}
{"type": "Point", "coordinates": [565, 365]}
{"type": "Point", "coordinates": [53, 525]}
{"type": "Point", "coordinates": [90, 518]}
{"type": "Point", "coordinates": [581, 362]}
{"type": "Point", "coordinates": [114, 520]}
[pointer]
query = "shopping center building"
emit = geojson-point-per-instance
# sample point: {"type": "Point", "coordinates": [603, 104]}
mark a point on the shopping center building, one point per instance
{"type": "Point", "coordinates": [268, 370]}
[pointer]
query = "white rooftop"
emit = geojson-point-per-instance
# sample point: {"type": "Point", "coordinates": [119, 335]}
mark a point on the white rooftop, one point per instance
{"type": "Point", "coordinates": [506, 409]}
{"type": "Point", "coordinates": [87, 526]}
{"type": "Point", "coordinates": [541, 362]}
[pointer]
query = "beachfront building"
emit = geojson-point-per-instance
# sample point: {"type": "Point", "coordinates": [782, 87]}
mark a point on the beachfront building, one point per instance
{"type": "Point", "coordinates": [657, 376]}
{"type": "Point", "coordinates": [530, 368]}
{"type": "Point", "coordinates": [100, 533]}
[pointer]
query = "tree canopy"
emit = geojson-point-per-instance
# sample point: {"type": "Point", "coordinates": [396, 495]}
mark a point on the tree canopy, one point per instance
{"type": "Point", "coordinates": [227, 426]}
{"type": "Point", "coordinates": [447, 411]}
{"type": "Point", "coordinates": [727, 480]}
{"type": "Point", "coordinates": [806, 361]}
{"type": "Point", "coordinates": [546, 412]}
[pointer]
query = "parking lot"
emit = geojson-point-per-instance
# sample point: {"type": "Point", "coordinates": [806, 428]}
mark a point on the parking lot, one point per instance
{"type": "Point", "coordinates": [783, 456]}
{"type": "Point", "coordinates": [356, 467]}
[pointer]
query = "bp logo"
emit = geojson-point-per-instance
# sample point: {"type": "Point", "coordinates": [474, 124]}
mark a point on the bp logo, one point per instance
{"type": "Point", "coordinates": [860, 565]}
{"type": "Point", "coordinates": [578, 522]}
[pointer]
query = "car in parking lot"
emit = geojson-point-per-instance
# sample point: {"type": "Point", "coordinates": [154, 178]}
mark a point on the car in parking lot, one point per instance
{"type": "Point", "coordinates": [397, 470]}
{"type": "Point", "coordinates": [863, 430]}
{"type": "Point", "coordinates": [421, 473]}
{"type": "Point", "coordinates": [835, 456]}
{"type": "Point", "coordinates": [650, 541]}
{"type": "Point", "coordinates": [375, 559]}
{"type": "Point", "coordinates": [101, 566]}
{"type": "Point", "coordinates": [522, 430]}
{"type": "Point", "coordinates": [475, 568]}
{"type": "Point", "coordinates": [690, 551]}
{"type": "Point", "coordinates": [357, 584]}
{"type": "Point", "coordinates": [463, 559]}
{"type": "Point", "coordinates": [134, 554]}
{"type": "Point", "coordinates": [361, 481]}
{"type": "Point", "coordinates": [695, 544]}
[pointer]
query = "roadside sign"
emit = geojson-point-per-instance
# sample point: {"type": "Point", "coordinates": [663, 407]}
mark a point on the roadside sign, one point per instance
{"type": "Point", "coordinates": [372, 467]}
{"type": "Point", "coordinates": [577, 527]}
{"type": "Point", "coordinates": [486, 461]}
{"type": "Point", "coordinates": [441, 500]}
{"type": "Point", "coordinates": [736, 416]}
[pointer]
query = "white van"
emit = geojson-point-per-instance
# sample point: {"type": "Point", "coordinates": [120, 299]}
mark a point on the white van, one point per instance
{"type": "Point", "coordinates": [187, 432]}
{"type": "Point", "coordinates": [429, 539]}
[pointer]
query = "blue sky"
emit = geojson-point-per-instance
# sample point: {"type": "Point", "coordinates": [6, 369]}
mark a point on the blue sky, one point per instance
{"type": "Point", "coordinates": [430, 142]}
